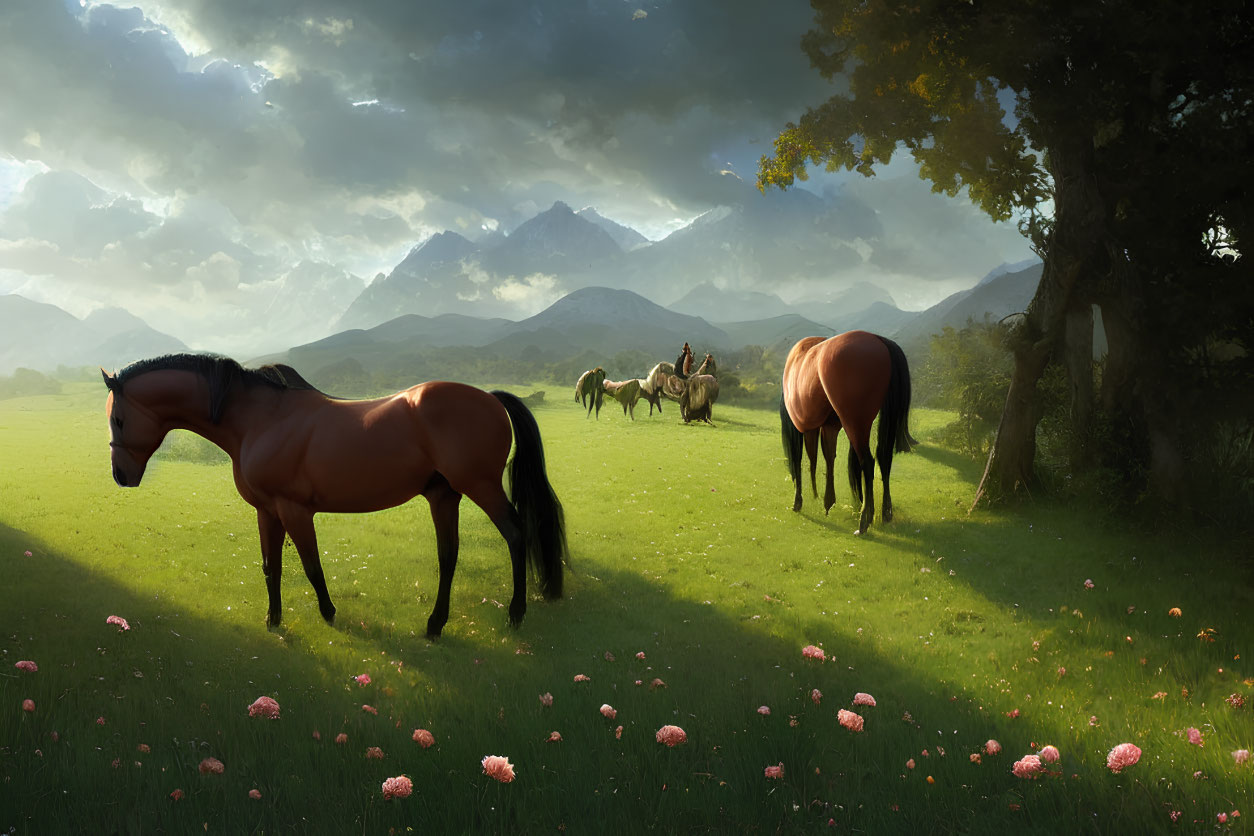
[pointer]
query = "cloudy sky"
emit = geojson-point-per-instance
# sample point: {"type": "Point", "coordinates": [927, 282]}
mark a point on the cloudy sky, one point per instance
{"type": "Point", "coordinates": [186, 158]}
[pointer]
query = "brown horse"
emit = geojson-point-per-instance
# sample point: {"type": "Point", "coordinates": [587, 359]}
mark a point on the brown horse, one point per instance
{"type": "Point", "coordinates": [843, 382]}
{"type": "Point", "coordinates": [662, 380]}
{"type": "Point", "coordinates": [628, 393]}
{"type": "Point", "coordinates": [296, 452]}
{"type": "Point", "coordinates": [588, 389]}
{"type": "Point", "coordinates": [700, 393]}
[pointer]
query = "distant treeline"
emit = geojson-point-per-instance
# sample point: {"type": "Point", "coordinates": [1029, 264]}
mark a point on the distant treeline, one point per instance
{"type": "Point", "coordinates": [25, 382]}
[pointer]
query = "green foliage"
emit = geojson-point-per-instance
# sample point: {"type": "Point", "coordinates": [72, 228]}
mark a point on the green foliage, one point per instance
{"type": "Point", "coordinates": [684, 550]}
{"type": "Point", "coordinates": [968, 371]}
{"type": "Point", "coordinates": [25, 382]}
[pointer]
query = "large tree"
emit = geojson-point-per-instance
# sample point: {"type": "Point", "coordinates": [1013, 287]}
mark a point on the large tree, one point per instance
{"type": "Point", "coordinates": [1119, 134]}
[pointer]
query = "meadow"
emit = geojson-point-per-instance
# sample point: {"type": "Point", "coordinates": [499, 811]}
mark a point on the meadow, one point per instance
{"type": "Point", "coordinates": [691, 593]}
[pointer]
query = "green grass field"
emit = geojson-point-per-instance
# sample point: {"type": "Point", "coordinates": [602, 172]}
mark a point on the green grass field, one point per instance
{"type": "Point", "coordinates": [963, 628]}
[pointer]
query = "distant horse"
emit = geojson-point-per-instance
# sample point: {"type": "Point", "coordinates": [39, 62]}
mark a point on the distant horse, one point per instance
{"type": "Point", "coordinates": [589, 390]}
{"type": "Point", "coordinates": [844, 382]}
{"type": "Point", "coordinates": [628, 393]}
{"type": "Point", "coordinates": [662, 380]}
{"type": "Point", "coordinates": [700, 393]}
{"type": "Point", "coordinates": [296, 452]}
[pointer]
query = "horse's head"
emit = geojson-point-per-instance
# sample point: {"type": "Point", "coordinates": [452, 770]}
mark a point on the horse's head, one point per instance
{"type": "Point", "coordinates": [134, 434]}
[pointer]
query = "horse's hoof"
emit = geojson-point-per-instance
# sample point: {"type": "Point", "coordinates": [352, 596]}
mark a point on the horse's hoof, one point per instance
{"type": "Point", "coordinates": [857, 532]}
{"type": "Point", "coordinates": [796, 507]}
{"type": "Point", "coordinates": [328, 617]}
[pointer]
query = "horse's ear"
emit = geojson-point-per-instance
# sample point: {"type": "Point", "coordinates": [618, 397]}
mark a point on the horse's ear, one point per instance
{"type": "Point", "coordinates": [110, 381]}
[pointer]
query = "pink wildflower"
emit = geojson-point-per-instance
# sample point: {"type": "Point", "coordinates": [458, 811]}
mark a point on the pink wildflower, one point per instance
{"type": "Point", "coordinates": [582, 678]}
{"type": "Point", "coordinates": [1195, 736]}
{"type": "Point", "coordinates": [1029, 766]}
{"type": "Point", "coordinates": [254, 794]}
{"type": "Point", "coordinates": [992, 747]}
{"type": "Point", "coordinates": [28, 666]}
{"type": "Point", "coordinates": [849, 720]}
{"type": "Point", "coordinates": [100, 721]}
{"type": "Point", "coordinates": [618, 733]}
{"type": "Point", "coordinates": [498, 767]}
{"type": "Point", "coordinates": [370, 709]}
{"type": "Point", "coordinates": [671, 735]}
{"type": "Point", "coordinates": [119, 621]}
{"type": "Point", "coordinates": [609, 657]}
{"type": "Point", "coordinates": [546, 699]}
{"type": "Point", "coordinates": [143, 748]}
{"type": "Point", "coordinates": [863, 699]}
{"type": "Point", "coordinates": [1088, 583]}
{"type": "Point", "coordinates": [211, 766]}
{"type": "Point", "coordinates": [764, 710]}
{"type": "Point", "coordinates": [28, 706]}
{"type": "Point", "coordinates": [1123, 756]}
{"type": "Point", "coordinates": [424, 738]}
{"type": "Point", "coordinates": [177, 795]}
{"type": "Point", "coordinates": [1175, 815]}
{"type": "Point", "coordinates": [117, 763]}
{"type": "Point", "coordinates": [910, 764]}
{"type": "Point", "coordinates": [608, 712]}
{"type": "Point", "coordinates": [656, 683]}
{"type": "Point", "coordinates": [812, 652]}
{"type": "Point", "coordinates": [1241, 756]}
{"type": "Point", "coordinates": [28, 553]}
{"type": "Point", "coordinates": [774, 771]}
{"type": "Point", "coordinates": [1062, 671]}
{"type": "Point", "coordinates": [1012, 713]}
{"type": "Point", "coordinates": [640, 656]}
{"type": "Point", "coordinates": [317, 735]}
{"type": "Point", "coordinates": [1222, 818]}
{"type": "Point", "coordinates": [1050, 754]}
{"type": "Point", "coordinates": [975, 758]}
{"type": "Point", "coordinates": [374, 753]}
{"type": "Point", "coordinates": [341, 738]}
{"type": "Point", "coordinates": [816, 695]}
{"type": "Point", "coordinates": [362, 679]}
{"type": "Point", "coordinates": [398, 787]}
{"type": "Point", "coordinates": [555, 737]}
{"type": "Point", "coordinates": [264, 707]}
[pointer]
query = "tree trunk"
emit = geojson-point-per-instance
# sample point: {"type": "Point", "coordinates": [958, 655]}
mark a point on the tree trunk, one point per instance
{"type": "Point", "coordinates": [1078, 359]}
{"type": "Point", "coordinates": [1078, 222]}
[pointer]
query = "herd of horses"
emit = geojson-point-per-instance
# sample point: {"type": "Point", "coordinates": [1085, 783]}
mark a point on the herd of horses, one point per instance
{"type": "Point", "coordinates": [296, 452]}
{"type": "Point", "coordinates": [695, 394]}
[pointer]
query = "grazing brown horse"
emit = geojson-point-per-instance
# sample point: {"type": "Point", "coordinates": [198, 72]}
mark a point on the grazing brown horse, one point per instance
{"type": "Point", "coordinates": [843, 382]}
{"type": "Point", "coordinates": [662, 380]}
{"type": "Point", "coordinates": [628, 393]}
{"type": "Point", "coordinates": [700, 393]}
{"type": "Point", "coordinates": [296, 452]}
{"type": "Point", "coordinates": [589, 390]}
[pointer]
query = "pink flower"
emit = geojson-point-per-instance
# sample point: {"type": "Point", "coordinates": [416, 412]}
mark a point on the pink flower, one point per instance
{"type": "Point", "coordinates": [211, 766]}
{"type": "Point", "coordinates": [910, 764]}
{"type": "Point", "coordinates": [1028, 766]}
{"type": "Point", "coordinates": [618, 733]}
{"type": "Point", "coordinates": [975, 758]}
{"type": "Point", "coordinates": [1050, 754]}
{"type": "Point", "coordinates": [849, 720]}
{"type": "Point", "coordinates": [117, 763]}
{"type": "Point", "coordinates": [609, 657]}
{"type": "Point", "coordinates": [264, 707]}
{"type": "Point", "coordinates": [608, 712]}
{"type": "Point", "coordinates": [317, 735]}
{"type": "Point", "coordinates": [816, 695]}
{"type": "Point", "coordinates": [28, 706]}
{"type": "Point", "coordinates": [671, 735]}
{"type": "Point", "coordinates": [582, 678]}
{"type": "Point", "coordinates": [774, 771]}
{"type": "Point", "coordinates": [1088, 583]}
{"type": "Point", "coordinates": [119, 621]}
{"type": "Point", "coordinates": [1012, 713]}
{"type": "Point", "coordinates": [1241, 756]}
{"type": "Point", "coordinates": [656, 683]}
{"type": "Point", "coordinates": [812, 652]}
{"type": "Point", "coordinates": [1062, 671]}
{"type": "Point", "coordinates": [546, 699]}
{"type": "Point", "coordinates": [863, 699]}
{"type": "Point", "coordinates": [143, 748]}
{"type": "Point", "coordinates": [370, 709]}
{"type": "Point", "coordinates": [1195, 736]}
{"type": "Point", "coordinates": [362, 679]}
{"type": "Point", "coordinates": [24, 665]}
{"type": "Point", "coordinates": [764, 710]}
{"type": "Point", "coordinates": [1123, 756]}
{"type": "Point", "coordinates": [424, 738]}
{"type": "Point", "coordinates": [398, 787]}
{"type": "Point", "coordinates": [555, 737]}
{"type": "Point", "coordinates": [992, 747]}
{"type": "Point", "coordinates": [1222, 818]}
{"type": "Point", "coordinates": [341, 738]}
{"type": "Point", "coordinates": [177, 795]}
{"type": "Point", "coordinates": [640, 656]}
{"type": "Point", "coordinates": [28, 553]}
{"type": "Point", "coordinates": [374, 753]}
{"type": "Point", "coordinates": [498, 767]}
{"type": "Point", "coordinates": [254, 794]}
{"type": "Point", "coordinates": [100, 721]}
{"type": "Point", "coordinates": [1175, 815]}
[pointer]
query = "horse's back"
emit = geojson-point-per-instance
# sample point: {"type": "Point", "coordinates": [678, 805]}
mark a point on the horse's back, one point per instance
{"type": "Point", "coordinates": [846, 375]}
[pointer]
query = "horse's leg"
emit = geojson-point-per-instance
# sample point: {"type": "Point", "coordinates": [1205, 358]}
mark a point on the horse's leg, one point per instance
{"type": "Point", "coordinates": [272, 534]}
{"type": "Point", "coordinates": [299, 523]}
{"type": "Point", "coordinates": [886, 509]}
{"type": "Point", "coordinates": [812, 446]}
{"type": "Point", "coordinates": [444, 502]}
{"type": "Point", "coordinates": [492, 499]}
{"type": "Point", "coordinates": [867, 461]}
{"type": "Point", "coordinates": [828, 434]}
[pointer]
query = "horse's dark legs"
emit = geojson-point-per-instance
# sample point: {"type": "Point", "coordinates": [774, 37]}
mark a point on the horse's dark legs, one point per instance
{"type": "Point", "coordinates": [828, 435]}
{"type": "Point", "coordinates": [811, 440]}
{"type": "Point", "coordinates": [867, 462]}
{"type": "Point", "coordinates": [886, 510]}
{"type": "Point", "coordinates": [300, 527]}
{"type": "Point", "coordinates": [272, 534]}
{"type": "Point", "coordinates": [444, 502]}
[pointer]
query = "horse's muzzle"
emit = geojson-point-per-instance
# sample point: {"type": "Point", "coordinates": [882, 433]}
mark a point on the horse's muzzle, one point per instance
{"type": "Point", "coordinates": [120, 477]}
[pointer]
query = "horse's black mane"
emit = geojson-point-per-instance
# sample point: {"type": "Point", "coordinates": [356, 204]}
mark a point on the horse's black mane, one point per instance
{"type": "Point", "coordinates": [220, 372]}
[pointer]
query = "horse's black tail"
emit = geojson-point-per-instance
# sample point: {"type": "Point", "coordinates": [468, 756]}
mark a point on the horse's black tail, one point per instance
{"type": "Point", "coordinates": [543, 523]}
{"type": "Point", "coordinates": [792, 442]}
{"type": "Point", "coordinates": [894, 432]}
